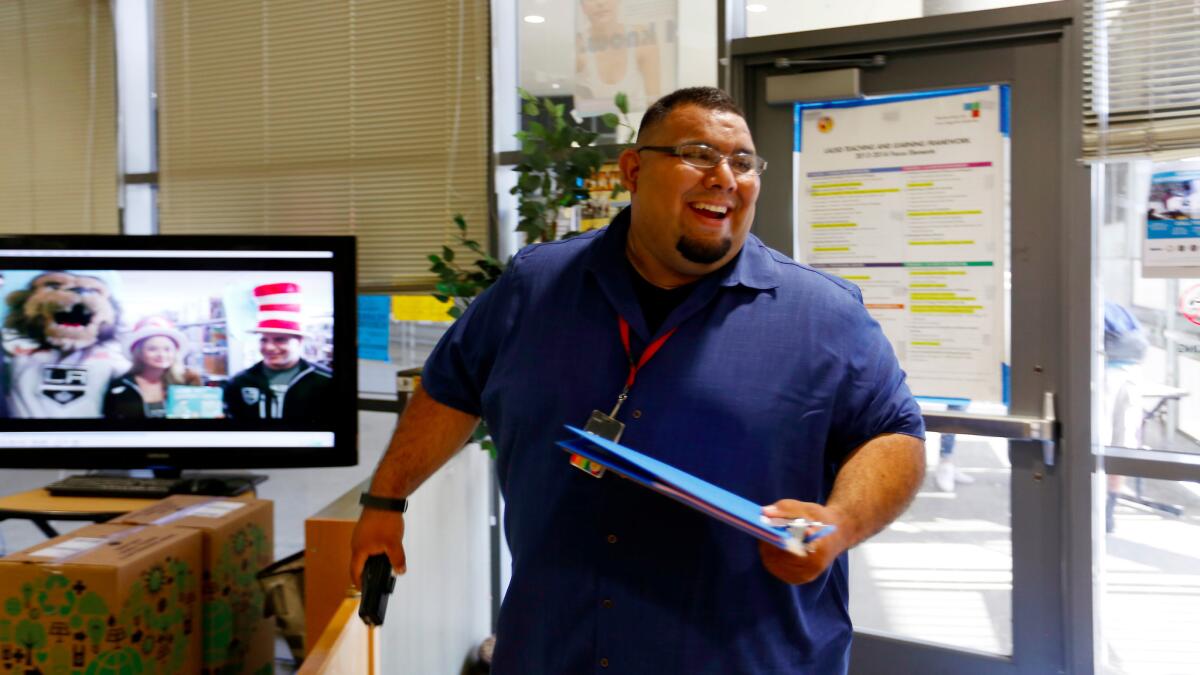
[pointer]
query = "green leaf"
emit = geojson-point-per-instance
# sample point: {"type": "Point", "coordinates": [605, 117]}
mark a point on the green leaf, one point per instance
{"type": "Point", "coordinates": [524, 93]}
{"type": "Point", "coordinates": [441, 298]}
{"type": "Point", "coordinates": [622, 102]}
{"type": "Point", "coordinates": [455, 312]}
{"type": "Point", "coordinates": [610, 120]}
{"type": "Point", "coordinates": [460, 222]}
{"type": "Point", "coordinates": [448, 253]}
{"type": "Point", "coordinates": [433, 258]}
{"type": "Point", "coordinates": [530, 109]}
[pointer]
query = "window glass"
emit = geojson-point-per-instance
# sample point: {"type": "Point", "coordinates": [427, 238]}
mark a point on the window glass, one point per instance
{"type": "Point", "coordinates": [769, 17]}
{"type": "Point", "coordinates": [942, 573]}
{"type": "Point", "coordinates": [1149, 577]}
{"type": "Point", "coordinates": [1149, 357]}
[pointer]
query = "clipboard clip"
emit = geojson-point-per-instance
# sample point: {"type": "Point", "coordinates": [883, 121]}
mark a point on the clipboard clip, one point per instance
{"type": "Point", "coordinates": [804, 532]}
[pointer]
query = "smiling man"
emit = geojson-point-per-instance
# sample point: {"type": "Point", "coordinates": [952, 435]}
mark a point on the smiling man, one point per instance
{"type": "Point", "coordinates": [755, 373]}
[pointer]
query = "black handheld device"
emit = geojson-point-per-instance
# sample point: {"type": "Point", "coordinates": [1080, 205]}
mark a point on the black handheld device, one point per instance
{"type": "Point", "coordinates": [378, 583]}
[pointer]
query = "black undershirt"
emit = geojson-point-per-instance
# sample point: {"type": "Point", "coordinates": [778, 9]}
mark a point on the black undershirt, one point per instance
{"type": "Point", "coordinates": [657, 303]}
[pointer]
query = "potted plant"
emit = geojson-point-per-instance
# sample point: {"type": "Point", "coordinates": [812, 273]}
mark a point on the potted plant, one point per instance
{"type": "Point", "coordinates": [558, 155]}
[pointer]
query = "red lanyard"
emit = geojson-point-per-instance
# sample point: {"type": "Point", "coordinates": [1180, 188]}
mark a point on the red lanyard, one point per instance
{"type": "Point", "coordinates": [651, 349]}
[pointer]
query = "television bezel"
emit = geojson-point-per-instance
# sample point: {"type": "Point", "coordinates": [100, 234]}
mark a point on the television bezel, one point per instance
{"type": "Point", "coordinates": [342, 264]}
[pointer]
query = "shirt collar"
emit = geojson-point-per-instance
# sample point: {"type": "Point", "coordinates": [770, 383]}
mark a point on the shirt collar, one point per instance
{"type": "Point", "coordinates": [753, 267]}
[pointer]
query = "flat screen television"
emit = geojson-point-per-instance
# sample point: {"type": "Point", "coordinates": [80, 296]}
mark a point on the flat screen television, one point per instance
{"type": "Point", "coordinates": [177, 352]}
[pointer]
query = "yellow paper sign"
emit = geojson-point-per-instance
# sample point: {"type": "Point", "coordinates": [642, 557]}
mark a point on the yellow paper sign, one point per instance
{"type": "Point", "coordinates": [420, 308]}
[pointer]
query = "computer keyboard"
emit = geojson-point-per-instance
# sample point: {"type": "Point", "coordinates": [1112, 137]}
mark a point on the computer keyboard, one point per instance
{"type": "Point", "coordinates": [114, 486]}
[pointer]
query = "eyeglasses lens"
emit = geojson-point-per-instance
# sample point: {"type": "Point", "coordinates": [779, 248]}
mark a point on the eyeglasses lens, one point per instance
{"type": "Point", "coordinates": [704, 157]}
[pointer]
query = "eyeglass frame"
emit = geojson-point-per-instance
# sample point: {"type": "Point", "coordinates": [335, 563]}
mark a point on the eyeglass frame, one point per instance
{"type": "Point", "coordinates": [674, 150]}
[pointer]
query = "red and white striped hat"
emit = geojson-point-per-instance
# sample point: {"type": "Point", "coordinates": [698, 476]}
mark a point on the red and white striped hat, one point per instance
{"type": "Point", "coordinates": [278, 309]}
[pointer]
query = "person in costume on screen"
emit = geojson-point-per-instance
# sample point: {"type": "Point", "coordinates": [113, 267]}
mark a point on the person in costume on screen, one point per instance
{"type": "Point", "coordinates": [731, 361]}
{"type": "Point", "coordinates": [59, 347]}
{"type": "Point", "coordinates": [283, 385]}
{"type": "Point", "coordinates": [156, 348]}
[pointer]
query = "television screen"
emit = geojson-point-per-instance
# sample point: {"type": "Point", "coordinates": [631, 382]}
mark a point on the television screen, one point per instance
{"type": "Point", "coordinates": [177, 351]}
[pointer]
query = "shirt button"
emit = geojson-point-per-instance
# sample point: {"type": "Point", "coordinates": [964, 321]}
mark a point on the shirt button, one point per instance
{"type": "Point", "coordinates": [603, 663]}
{"type": "Point", "coordinates": [637, 414]}
{"type": "Point", "coordinates": [606, 603]}
{"type": "Point", "coordinates": [612, 538]}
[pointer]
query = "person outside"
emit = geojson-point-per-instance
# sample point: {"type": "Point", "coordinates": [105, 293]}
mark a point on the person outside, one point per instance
{"type": "Point", "coordinates": [946, 475]}
{"type": "Point", "coordinates": [156, 348]}
{"type": "Point", "coordinates": [1125, 345]}
{"type": "Point", "coordinates": [282, 385]}
{"type": "Point", "coordinates": [761, 375]}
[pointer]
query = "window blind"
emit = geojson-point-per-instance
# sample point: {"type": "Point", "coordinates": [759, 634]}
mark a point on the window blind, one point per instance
{"type": "Point", "coordinates": [366, 117]}
{"type": "Point", "coordinates": [1141, 77]}
{"type": "Point", "coordinates": [58, 172]}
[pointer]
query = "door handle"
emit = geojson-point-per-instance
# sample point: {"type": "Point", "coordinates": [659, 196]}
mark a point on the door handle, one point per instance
{"type": "Point", "coordinates": [1042, 429]}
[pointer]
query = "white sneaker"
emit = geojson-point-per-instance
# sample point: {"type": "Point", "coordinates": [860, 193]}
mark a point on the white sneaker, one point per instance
{"type": "Point", "coordinates": [943, 476]}
{"type": "Point", "coordinates": [962, 478]}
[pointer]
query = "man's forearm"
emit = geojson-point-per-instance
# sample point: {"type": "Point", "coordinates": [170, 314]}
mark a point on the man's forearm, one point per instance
{"type": "Point", "coordinates": [427, 435]}
{"type": "Point", "coordinates": [876, 483]}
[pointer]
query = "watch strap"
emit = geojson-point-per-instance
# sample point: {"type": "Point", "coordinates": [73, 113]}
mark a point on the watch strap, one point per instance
{"type": "Point", "coordinates": [386, 503]}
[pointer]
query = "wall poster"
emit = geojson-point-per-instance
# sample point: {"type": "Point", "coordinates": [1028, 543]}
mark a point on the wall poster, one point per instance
{"type": "Point", "coordinates": [906, 196]}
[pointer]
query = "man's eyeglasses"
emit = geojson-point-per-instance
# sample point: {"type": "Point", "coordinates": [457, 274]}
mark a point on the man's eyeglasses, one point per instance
{"type": "Point", "coordinates": [704, 156]}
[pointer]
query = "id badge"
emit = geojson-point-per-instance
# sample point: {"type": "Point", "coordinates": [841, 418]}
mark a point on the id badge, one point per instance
{"type": "Point", "coordinates": [605, 427]}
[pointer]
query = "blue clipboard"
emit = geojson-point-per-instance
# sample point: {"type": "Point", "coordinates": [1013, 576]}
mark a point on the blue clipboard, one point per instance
{"type": "Point", "coordinates": [687, 489]}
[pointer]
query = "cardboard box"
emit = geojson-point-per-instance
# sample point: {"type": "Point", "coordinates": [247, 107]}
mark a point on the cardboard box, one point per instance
{"type": "Point", "coordinates": [103, 599]}
{"type": "Point", "coordinates": [237, 543]}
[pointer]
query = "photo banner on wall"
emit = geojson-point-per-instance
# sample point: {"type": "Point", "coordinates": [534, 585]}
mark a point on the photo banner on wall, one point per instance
{"type": "Point", "coordinates": [905, 196]}
{"type": "Point", "coordinates": [626, 46]}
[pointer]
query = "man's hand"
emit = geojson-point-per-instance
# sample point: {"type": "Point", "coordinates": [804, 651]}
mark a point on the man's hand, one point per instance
{"type": "Point", "coordinates": [795, 569]}
{"type": "Point", "coordinates": [875, 484]}
{"type": "Point", "coordinates": [427, 434]}
{"type": "Point", "coordinates": [377, 531]}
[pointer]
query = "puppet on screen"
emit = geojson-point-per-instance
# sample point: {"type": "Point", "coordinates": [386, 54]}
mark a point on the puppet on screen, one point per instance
{"type": "Point", "coordinates": [59, 348]}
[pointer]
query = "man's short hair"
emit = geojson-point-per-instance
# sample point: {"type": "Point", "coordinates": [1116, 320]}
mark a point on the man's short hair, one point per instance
{"type": "Point", "coordinates": [709, 98]}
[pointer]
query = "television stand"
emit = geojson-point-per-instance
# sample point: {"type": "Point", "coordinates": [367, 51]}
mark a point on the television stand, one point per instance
{"type": "Point", "coordinates": [217, 484]}
{"type": "Point", "coordinates": [164, 483]}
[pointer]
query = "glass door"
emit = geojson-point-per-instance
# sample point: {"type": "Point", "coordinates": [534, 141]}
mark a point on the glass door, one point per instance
{"type": "Point", "coordinates": [1146, 374]}
{"type": "Point", "coordinates": [971, 578]}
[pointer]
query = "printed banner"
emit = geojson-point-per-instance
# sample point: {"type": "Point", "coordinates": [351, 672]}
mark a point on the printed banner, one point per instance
{"type": "Point", "coordinates": [1171, 247]}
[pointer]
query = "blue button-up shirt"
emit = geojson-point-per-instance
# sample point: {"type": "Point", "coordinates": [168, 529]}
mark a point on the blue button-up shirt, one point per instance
{"type": "Point", "coordinates": [775, 374]}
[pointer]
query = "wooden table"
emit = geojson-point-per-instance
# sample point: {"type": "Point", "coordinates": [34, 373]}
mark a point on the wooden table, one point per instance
{"type": "Point", "coordinates": [40, 507]}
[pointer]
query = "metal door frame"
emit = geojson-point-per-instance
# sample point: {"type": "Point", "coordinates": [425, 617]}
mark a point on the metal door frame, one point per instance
{"type": "Point", "coordinates": [1039, 48]}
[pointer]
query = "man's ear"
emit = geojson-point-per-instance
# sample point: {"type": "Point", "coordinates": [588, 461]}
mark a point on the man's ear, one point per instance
{"type": "Point", "coordinates": [630, 163]}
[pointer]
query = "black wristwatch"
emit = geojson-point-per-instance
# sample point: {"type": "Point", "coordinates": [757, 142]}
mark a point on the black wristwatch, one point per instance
{"type": "Point", "coordinates": [386, 503]}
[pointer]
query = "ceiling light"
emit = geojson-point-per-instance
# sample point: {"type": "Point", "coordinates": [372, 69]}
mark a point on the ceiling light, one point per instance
{"type": "Point", "coordinates": [535, 18]}
{"type": "Point", "coordinates": [756, 7]}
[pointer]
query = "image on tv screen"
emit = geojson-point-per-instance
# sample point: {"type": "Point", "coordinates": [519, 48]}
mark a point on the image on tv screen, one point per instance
{"type": "Point", "coordinates": [166, 344]}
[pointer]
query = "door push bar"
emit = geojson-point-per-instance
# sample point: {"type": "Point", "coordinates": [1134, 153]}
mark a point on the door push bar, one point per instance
{"type": "Point", "coordinates": [1043, 429]}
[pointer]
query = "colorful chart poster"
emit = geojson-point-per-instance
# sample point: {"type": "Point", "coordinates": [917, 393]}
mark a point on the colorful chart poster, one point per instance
{"type": "Point", "coordinates": [905, 196]}
{"type": "Point", "coordinates": [1171, 247]}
